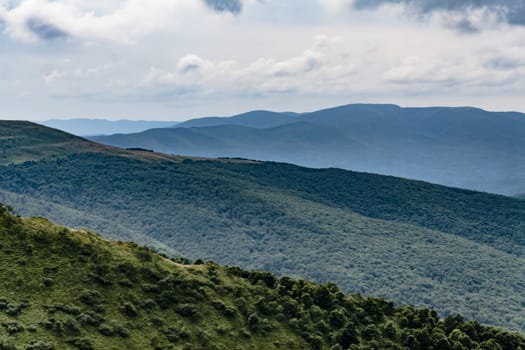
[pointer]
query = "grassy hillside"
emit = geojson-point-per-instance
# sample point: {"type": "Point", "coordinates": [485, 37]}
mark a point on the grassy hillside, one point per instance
{"type": "Point", "coordinates": [453, 250]}
{"type": "Point", "coordinates": [16, 147]}
{"type": "Point", "coordinates": [70, 289]}
{"type": "Point", "coordinates": [22, 141]}
{"type": "Point", "coordinates": [461, 147]}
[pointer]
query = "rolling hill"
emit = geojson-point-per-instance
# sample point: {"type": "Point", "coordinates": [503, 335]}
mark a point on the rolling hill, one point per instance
{"type": "Point", "coordinates": [71, 289]}
{"type": "Point", "coordinates": [416, 243]}
{"type": "Point", "coordinates": [16, 147]}
{"type": "Point", "coordinates": [460, 147]}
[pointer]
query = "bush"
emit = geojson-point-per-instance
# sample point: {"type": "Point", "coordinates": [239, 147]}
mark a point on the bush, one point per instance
{"type": "Point", "coordinates": [40, 345]}
{"type": "Point", "coordinates": [81, 343]}
{"type": "Point", "coordinates": [7, 345]}
{"type": "Point", "coordinates": [14, 309]}
{"type": "Point", "coordinates": [90, 297]}
{"type": "Point", "coordinates": [186, 309]}
{"type": "Point", "coordinates": [12, 326]}
{"type": "Point", "coordinates": [112, 328]}
{"type": "Point", "coordinates": [71, 326]}
{"type": "Point", "coordinates": [67, 309]}
{"type": "Point", "coordinates": [253, 321]}
{"type": "Point", "coordinates": [48, 282]}
{"type": "Point", "coordinates": [129, 309]}
{"type": "Point", "coordinates": [89, 319]}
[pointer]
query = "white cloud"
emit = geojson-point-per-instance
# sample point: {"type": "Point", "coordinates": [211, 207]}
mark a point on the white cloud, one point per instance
{"type": "Point", "coordinates": [123, 21]}
{"type": "Point", "coordinates": [336, 5]}
{"type": "Point", "coordinates": [324, 63]}
{"type": "Point", "coordinates": [53, 76]}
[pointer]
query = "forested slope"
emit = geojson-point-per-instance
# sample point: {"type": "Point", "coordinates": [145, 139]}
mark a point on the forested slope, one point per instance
{"type": "Point", "coordinates": [70, 289]}
{"type": "Point", "coordinates": [452, 249]}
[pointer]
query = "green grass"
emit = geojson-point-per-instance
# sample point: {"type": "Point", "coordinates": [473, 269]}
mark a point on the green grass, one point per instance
{"type": "Point", "coordinates": [72, 289]}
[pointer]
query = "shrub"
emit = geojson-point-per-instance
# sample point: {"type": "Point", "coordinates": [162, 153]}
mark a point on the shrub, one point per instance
{"type": "Point", "coordinates": [72, 326]}
{"type": "Point", "coordinates": [48, 282]}
{"type": "Point", "coordinates": [90, 297]}
{"type": "Point", "coordinates": [316, 342]}
{"type": "Point", "coordinates": [253, 321]}
{"type": "Point", "coordinates": [107, 330]}
{"type": "Point", "coordinates": [90, 319]}
{"type": "Point", "coordinates": [7, 345]}
{"type": "Point", "coordinates": [144, 254]}
{"type": "Point", "coordinates": [81, 343]}
{"type": "Point", "coordinates": [112, 328]}
{"type": "Point", "coordinates": [40, 345]}
{"type": "Point", "coordinates": [186, 309]}
{"type": "Point", "coordinates": [67, 309]}
{"type": "Point", "coordinates": [129, 309]}
{"type": "Point", "coordinates": [12, 326]}
{"type": "Point", "coordinates": [14, 309]}
{"type": "Point", "coordinates": [3, 303]}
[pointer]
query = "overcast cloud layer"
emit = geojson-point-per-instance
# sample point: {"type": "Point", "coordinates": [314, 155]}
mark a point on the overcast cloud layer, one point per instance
{"type": "Point", "coordinates": [176, 59]}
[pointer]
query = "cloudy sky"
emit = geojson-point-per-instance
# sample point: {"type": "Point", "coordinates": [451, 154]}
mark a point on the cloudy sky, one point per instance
{"type": "Point", "coordinates": [176, 59]}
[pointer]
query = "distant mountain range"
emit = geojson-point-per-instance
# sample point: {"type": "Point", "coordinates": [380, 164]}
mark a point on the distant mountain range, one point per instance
{"type": "Point", "coordinates": [416, 243]}
{"type": "Point", "coordinates": [91, 127]}
{"type": "Point", "coordinates": [461, 147]}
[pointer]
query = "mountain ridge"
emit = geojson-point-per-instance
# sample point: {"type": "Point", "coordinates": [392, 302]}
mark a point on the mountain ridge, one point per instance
{"type": "Point", "coordinates": [258, 119]}
{"type": "Point", "coordinates": [463, 147]}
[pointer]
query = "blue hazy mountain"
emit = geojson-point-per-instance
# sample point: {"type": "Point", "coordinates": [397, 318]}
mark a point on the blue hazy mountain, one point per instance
{"type": "Point", "coordinates": [254, 119]}
{"type": "Point", "coordinates": [90, 127]}
{"type": "Point", "coordinates": [462, 147]}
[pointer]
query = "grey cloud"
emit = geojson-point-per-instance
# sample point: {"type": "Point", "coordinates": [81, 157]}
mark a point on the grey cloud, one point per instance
{"type": "Point", "coordinates": [190, 68]}
{"type": "Point", "coordinates": [508, 11]}
{"type": "Point", "coordinates": [504, 63]}
{"type": "Point", "coordinates": [44, 30]}
{"type": "Point", "coordinates": [232, 6]}
{"type": "Point", "coordinates": [517, 15]}
{"type": "Point", "coordinates": [466, 26]}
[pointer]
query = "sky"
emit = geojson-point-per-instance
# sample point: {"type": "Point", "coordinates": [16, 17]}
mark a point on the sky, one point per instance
{"type": "Point", "coordinates": [179, 59]}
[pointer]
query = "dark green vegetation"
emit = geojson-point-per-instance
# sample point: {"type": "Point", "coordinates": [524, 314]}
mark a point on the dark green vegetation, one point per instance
{"type": "Point", "coordinates": [460, 147]}
{"type": "Point", "coordinates": [70, 289]}
{"type": "Point", "coordinates": [415, 243]}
